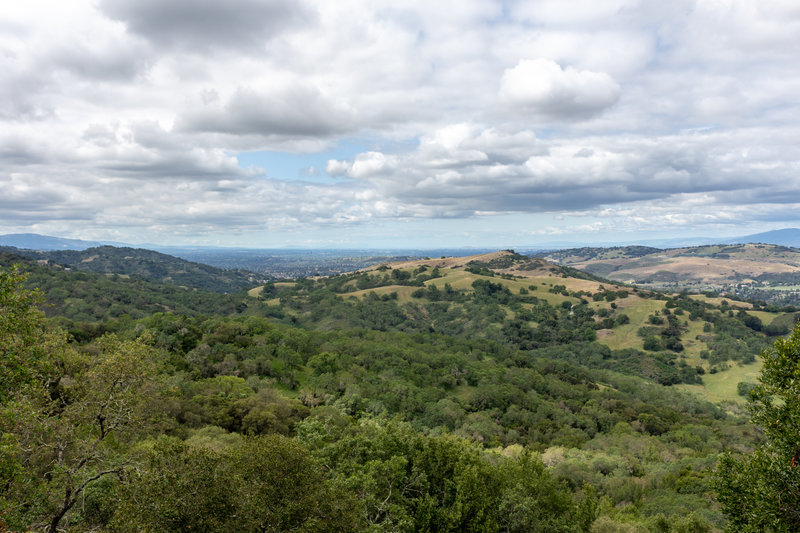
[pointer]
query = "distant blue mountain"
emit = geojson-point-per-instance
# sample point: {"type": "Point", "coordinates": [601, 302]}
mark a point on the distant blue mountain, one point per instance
{"type": "Point", "coordinates": [782, 237]}
{"type": "Point", "coordinates": [654, 243]}
{"type": "Point", "coordinates": [34, 241]}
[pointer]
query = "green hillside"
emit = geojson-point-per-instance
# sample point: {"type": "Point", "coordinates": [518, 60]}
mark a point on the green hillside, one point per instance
{"type": "Point", "coordinates": [90, 297]}
{"type": "Point", "coordinates": [537, 307]}
{"type": "Point", "coordinates": [144, 264]}
{"type": "Point", "coordinates": [498, 392]}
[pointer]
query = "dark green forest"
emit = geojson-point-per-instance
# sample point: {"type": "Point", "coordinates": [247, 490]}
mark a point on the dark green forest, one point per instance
{"type": "Point", "coordinates": [141, 264]}
{"type": "Point", "coordinates": [380, 401]}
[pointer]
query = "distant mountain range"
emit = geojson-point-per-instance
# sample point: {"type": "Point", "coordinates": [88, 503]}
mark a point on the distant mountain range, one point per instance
{"type": "Point", "coordinates": [33, 241]}
{"type": "Point", "coordinates": [781, 237]}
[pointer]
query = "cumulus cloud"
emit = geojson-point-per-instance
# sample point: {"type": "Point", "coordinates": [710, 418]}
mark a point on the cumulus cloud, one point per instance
{"type": "Point", "coordinates": [366, 165]}
{"type": "Point", "coordinates": [542, 86]}
{"type": "Point", "coordinates": [574, 175]}
{"type": "Point", "coordinates": [369, 164]}
{"type": "Point", "coordinates": [206, 24]}
{"type": "Point", "coordinates": [294, 110]}
{"type": "Point", "coordinates": [108, 60]}
{"type": "Point", "coordinates": [335, 167]}
{"type": "Point", "coordinates": [127, 117]}
{"type": "Point", "coordinates": [20, 93]}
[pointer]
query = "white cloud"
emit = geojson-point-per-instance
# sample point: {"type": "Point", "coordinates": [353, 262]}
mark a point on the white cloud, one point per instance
{"type": "Point", "coordinates": [335, 167]}
{"type": "Point", "coordinates": [293, 110]}
{"type": "Point", "coordinates": [200, 25]}
{"type": "Point", "coordinates": [126, 118]}
{"type": "Point", "coordinates": [369, 164]}
{"type": "Point", "coordinates": [542, 86]}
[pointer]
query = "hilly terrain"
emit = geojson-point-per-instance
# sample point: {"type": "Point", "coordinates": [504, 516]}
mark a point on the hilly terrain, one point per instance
{"type": "Point", "coordinates": [754, 271]}
{"type": "Point", "coordinates": [525, 302]}
{"type": "Point", "coordinates": [550, 310]}
{"type": "Point", "coordinates": [143, 264]}
{"type": "Point", "coordinates": [498, 391]}
{"type": "Point", "coordinates": [91, 298]}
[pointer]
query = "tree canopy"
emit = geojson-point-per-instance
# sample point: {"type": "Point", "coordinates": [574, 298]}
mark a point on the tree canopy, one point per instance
{"type": "Point", "coordinates": [761, 492]}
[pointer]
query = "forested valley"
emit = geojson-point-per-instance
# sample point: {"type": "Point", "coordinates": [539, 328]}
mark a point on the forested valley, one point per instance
{"type": "Point", "coordinates": [494, 393]}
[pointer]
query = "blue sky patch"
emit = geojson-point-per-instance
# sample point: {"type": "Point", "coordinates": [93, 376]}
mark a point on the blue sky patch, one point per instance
{"type": "Point", "coordinates": [299, 167]}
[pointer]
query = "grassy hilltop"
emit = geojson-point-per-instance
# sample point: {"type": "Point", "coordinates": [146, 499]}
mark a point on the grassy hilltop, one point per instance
{"type": "Point", "coordinates": [757, 271]}
{"type": "Point", "coordinates": [673, 338]}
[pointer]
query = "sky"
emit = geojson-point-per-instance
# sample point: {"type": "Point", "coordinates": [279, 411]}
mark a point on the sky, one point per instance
{"type": "Point", "coordinates": [413, 123]}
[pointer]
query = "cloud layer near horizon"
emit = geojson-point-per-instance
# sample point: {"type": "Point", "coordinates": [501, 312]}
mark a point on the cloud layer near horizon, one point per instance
{"type": "Point", "coordinates": [127, 120]}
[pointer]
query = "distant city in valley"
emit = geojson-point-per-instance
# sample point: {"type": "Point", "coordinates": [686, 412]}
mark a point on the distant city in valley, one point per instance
{"type": "Point", "coordinates": [770, 273]}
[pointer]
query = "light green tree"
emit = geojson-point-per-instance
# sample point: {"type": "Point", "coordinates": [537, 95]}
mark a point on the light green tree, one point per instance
{"type": "Point", "coordinates": [22, 337]}
{"type": "Point", "coordinates": [67, 418]}
{"type": "Point", "coordinates": [269, 483]}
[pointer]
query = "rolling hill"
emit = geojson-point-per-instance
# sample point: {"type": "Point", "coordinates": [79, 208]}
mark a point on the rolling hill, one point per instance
{"type": "Point", "coordinates": [547, 309]}
{"type": "Point", "coordinates": [145, 264]}
{"type": "Point", "coordinates": [397, 370]}
{"type": "Point", "coordinates": [760, 271]}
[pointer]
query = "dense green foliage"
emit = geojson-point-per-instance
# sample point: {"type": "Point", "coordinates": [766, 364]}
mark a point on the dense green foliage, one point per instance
{"type": "Point", "coordinates": [21, 341]}
{"type": "Point", "coordinates": [479, 389]}
{"type": "Point", "coordinates": [269, 483]}
{"type": "Point", "coordinates": [143, 264]}
{"type": "Point", "coordinates": [489, 310]}
{"type": "Point", "coordinates": [89, 297]}
{"type": "Point", "coordinates": [67, 421]}
{"type": "Point", "coordinates": [406, 481]}
{"type": "Point", "coordinates": [71, 427]}
{"type": "Point", "coordinates": [313, 408]}
{"type": "Point", "coordinates": [761, 492]}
